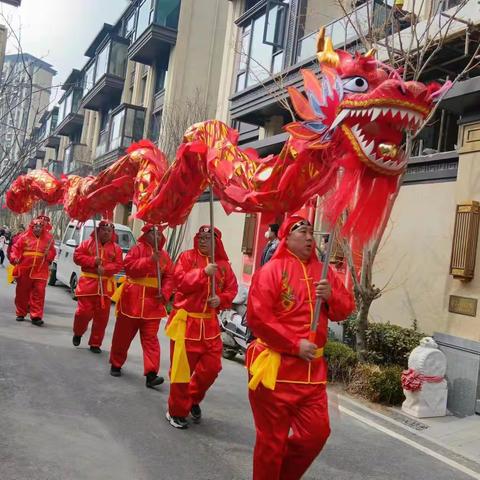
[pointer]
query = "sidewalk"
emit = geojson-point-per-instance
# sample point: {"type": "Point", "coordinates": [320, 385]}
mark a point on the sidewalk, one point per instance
{"type": "Point", "coordinates": [454, 437]}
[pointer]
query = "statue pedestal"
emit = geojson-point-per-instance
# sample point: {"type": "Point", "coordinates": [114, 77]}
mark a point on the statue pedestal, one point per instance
{"type": "Point", "coordinates": [430, 401]}
{"type": "Point", "coordinates": [428, 365]}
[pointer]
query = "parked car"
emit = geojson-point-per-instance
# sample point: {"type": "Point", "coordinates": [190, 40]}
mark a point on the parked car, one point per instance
{"type": "Point", "coordinates": [64, 269]}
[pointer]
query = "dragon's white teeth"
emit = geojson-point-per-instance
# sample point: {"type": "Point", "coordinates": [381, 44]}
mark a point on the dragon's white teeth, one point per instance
{"type": "Point", "coordinates": [368, 148]}
{"type": "Point", "coordinates": [376, 113]}
{"type": "Point", "coordinates": [340, 117]}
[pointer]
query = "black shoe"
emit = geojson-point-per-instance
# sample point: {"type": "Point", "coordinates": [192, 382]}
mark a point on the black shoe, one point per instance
{"type": "Point", "coordinates": [115, 371]}
{"type": "Point", "coordinates": [38, 322]}
{"type": "Point", "coordinates": [152, 380]}
{"type": "Point", "coordinates": [196, 413]}
{"type": "Point", "coordinates": [20, 319]}
{"type": "Point", "coordinates": [95, 350]}
{"type": "Point", "coordinates": [76, 340]}
{"type": "Point", "coordinates": [177, 422]}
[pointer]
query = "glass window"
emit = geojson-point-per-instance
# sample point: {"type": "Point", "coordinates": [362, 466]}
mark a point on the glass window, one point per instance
{"type": "Point", "coordinates": [143, 20]}
{"type": "Point", "coordinates": [154, 128]}
{"type": "Point", "coordinates": [102, 63]}
{"type": "Point", "coordinates": [68, 104]}
{"type": "Point", "coordinates": [118, 59]}
{"type": "Point", "coordinates": [88, 80]}
{"type": "Point", "coordinates": [160, 79]}
{"type": "Point", "coordinates": [68, 233]}
{"type": "Point", "coordinates": [274, 33]}
{"type": "Point", "coordinates": [87, 231]}
{"type": "Point", "coordinates": [260, 54]}
{"type": "Point", "coordinates": [129, 25]}
{"type": "Point", "coordinates": [76, 235]}
{"type": "Point", "coordinates": [125, 239]}
{"type": "Point", "coordinates": [167, 13]}
{"type": "Point", "coordinates": [134, 123]}
{"type": "Point", "coordinates": [116, 130]}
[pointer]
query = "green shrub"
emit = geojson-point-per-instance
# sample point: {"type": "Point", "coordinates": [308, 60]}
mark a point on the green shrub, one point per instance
{"type": "Point", "coordinates": [387, 385]}
{"type": "Point", "coordinates": [378, 383]}
{"type": "Point", "coordinates": [341, 361]}
{"type": "Point", "coordinates": [386, 343]}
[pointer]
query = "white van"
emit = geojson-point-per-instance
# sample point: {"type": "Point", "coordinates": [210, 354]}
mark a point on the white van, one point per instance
{"type": "Point", "coordinates": [64, 269]}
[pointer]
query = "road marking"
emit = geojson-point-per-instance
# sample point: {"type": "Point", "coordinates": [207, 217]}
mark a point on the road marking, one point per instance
{"type": "Point", "coordinates": [397, 436]}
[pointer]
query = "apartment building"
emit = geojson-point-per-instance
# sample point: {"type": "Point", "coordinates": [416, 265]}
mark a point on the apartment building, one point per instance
{"type": "Point", "coordinates": [25, 96]}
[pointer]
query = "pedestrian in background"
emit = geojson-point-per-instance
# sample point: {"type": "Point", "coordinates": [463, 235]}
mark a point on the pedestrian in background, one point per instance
{"type": "Point", "coordinates": [272, 236]}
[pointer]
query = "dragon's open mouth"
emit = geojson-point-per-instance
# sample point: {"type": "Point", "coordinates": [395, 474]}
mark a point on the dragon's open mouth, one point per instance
{"type": "Point", "coordinates": [375, 133]}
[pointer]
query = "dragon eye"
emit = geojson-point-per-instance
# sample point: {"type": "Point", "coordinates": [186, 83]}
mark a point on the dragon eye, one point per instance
{"type": "Point", "coordinates": [355, 84]}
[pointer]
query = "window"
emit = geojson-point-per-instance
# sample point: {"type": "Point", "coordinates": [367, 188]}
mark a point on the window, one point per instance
{"type": "Point", "coordinates": [167, 13]}
{"type": "Point", "coordinates": [116, 130]}
{"type": "Point", "coordinates": [154, 127]}
{"type": "Point", "coordinates": [89, 80]}
{"type": "Point", "coordinates": [129, 26]}
{"type": "Point", "coordinates": [68, 233]}
{"type": "Point", "coordinates": [145, 16]}
{"type": "Point", "coordinates": [102, 63]}
{"type": "Point", "coordinates": [76, 236]}
{"type": "Point", "coordinates": [262, 44]}
{"type": "Point", "coordinates": [118, 59]}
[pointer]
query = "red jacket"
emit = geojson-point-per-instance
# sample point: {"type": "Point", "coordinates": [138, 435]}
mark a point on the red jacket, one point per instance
{"type": "Point", "coordinates": [112, 262]}
{"type": "Point", "coordinates": [193, 290]}
{"type": "Point", "coordinates": [30, 250]}
{"type": "Point", "coordinates": [139, 301]}
{"type": "Point", "coordinates": [280, 311]}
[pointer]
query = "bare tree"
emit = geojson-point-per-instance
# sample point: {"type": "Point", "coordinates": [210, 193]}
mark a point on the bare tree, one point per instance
{"type": "Point", "coordinates": [177, 116]}
{"type": "Point", "coordinates": [411, 42]}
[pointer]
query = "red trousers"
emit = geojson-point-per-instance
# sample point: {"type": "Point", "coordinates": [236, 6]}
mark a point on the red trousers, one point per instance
{"type": "Point", "coordinates": [297, 407]}
{"type": "Point", "coordinates": [205, 360]}
{"type": "Point", "coordinates": [30, 296]}
{"type": "Point", "coordinates": [125, 330]}
{"type": "Point", "coordinates": [90, 307]}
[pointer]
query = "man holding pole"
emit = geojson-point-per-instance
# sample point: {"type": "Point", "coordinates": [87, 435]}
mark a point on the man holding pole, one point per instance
{"type": "Point", "coordinates": [32, 253]}
{"type": "Point", "coordinates": [196, 346]}
{"type": "Point", "coordinates": [100, 258]}
{"type": "Point", "coordinates": [141, 303]}
{"type": "Point", "coordinates": [287, 371]}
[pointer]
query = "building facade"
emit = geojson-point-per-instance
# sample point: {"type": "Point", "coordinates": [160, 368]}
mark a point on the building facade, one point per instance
{"type": "Point", "coordinates": [25, 96]}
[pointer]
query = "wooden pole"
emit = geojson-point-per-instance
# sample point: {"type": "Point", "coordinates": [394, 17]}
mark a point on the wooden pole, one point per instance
{"type": "Point", "coordinates": [102, 302]}
{"type": "Point", "coordinates": [159, 277]}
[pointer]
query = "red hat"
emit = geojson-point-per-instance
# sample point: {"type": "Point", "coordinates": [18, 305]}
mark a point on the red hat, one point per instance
{"type": "Point", "coordinates": [106, 223]}
{"type": "Point", "coordinates": [289, 225]}
{"type": "Point", "coordinates": [220, 253]}
{"type": "Point", "coordinates": [161, 237]}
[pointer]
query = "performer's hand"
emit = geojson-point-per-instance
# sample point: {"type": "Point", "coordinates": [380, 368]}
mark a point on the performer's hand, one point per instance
{"type": "Point", "coordinates": [323, 289]}
{"type": "Point", "coordinates": [211, 269]}
{"type": "Point", "coordinates": [155, 257]}
{"type": "Point", "coordinates": [306, 350]}
{"type": "Point", "coordinates": [98, 261]}
{"type": "Point", "coordinates": [100, 270]}
{"type": "Point", "coordinates": [214, 301]}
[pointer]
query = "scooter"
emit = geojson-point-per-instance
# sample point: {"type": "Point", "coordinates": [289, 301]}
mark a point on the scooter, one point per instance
{"type": "Point", "coordinates": [235, 333]}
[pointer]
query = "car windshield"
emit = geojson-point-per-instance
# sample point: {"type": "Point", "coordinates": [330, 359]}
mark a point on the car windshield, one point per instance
{"type": "Point", "coordinates": [125, 239]}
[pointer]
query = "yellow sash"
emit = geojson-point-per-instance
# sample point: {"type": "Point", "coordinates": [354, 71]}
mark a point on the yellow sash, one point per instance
{"type": "Point", "coordinates": [265, 368]}
{"type": "Point", "coordinates": [110, 280]}
{"type": "Point", "coordinates": [33, 254]}
{"type": "Point", "coordinates": [142, 281]}
{"type": "Point", "coordinates": [180, 369]}
{"type": "Point", "coordinates": [10, 277]}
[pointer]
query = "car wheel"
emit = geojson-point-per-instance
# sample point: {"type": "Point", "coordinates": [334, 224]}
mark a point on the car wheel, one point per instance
{"type": "Point", "coordinates": [73, 286]}
{"type": "Point", "coordinates": [52, 280]}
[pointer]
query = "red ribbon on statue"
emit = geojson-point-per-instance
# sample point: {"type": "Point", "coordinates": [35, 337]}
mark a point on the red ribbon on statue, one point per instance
{"type": "Point", "coordinates": [413, 380]}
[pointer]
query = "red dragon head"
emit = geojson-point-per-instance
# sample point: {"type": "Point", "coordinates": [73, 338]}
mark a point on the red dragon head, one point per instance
{"type": "Point", "coordinates": [357, 112]}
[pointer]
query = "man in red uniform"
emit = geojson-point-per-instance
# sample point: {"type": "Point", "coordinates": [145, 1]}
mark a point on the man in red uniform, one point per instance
{"type": "Point", "coordinates": [140, 306]}
{"type": "Point", "coordinates": [288, 373]}
{"type": "Point", "coordinates": [32, 253]}
{"type": "Point", "coordinates": [91, 304]}
{"type": "Point", "coordinates": [196, 346]}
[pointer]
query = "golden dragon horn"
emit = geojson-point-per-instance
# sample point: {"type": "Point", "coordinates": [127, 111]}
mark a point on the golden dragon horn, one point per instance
{"type": "Point", "coordinates": [326, 55]}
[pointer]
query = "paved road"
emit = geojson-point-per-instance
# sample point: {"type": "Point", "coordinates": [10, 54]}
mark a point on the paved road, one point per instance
{"type": "Point", "coordinates": [62, 416]}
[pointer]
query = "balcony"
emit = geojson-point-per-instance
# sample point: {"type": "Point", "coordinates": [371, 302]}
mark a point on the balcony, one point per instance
{"type": "Point", "coordinates": [39, 153]}
{"type": "Point", "coordinates": [104, 75]}
{"type": "Point", "coordinates": [76, 156]}
{"type": "Point", "coordinates": [155, 31]}
{"type": "Point", "coordinates": [124, 127]}
{"type": "Point", "coordinates": [70, 120]}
